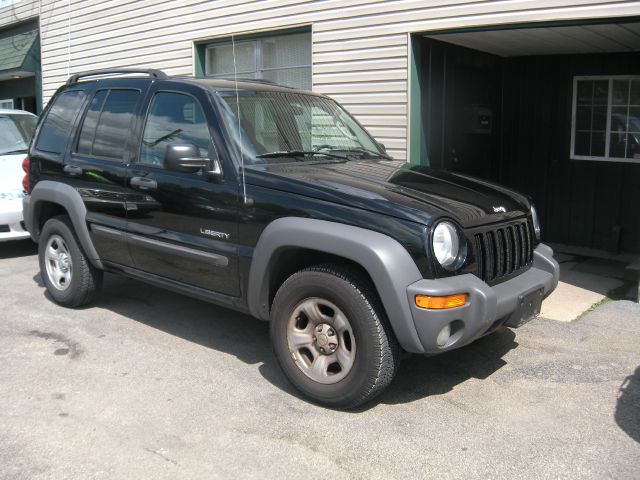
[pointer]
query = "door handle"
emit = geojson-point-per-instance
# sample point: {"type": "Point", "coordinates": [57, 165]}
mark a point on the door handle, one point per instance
{"type": "Point", "coordinates": [143, 183]}
{"type": "Point", "coordinates": [72, 170]}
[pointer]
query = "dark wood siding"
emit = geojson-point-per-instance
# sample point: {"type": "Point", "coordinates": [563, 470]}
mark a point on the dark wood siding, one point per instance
{"type": "Point", "coordinates": [585, 203]}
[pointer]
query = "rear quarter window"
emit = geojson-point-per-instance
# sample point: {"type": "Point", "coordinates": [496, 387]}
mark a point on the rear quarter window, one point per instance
{"type": "Point", "coordinates": [56, 128]}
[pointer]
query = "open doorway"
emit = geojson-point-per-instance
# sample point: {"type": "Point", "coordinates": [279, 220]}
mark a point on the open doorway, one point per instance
{"type": "Point", "coordinates": [503, 105]}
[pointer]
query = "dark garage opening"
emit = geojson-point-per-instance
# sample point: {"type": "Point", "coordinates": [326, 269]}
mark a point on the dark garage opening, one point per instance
{"type": "Point", "coordinates": [500, 105]}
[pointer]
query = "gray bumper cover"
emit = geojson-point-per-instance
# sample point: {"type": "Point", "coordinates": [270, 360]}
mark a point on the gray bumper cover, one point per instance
{"type": "Point", "coordinates": [486, 305]}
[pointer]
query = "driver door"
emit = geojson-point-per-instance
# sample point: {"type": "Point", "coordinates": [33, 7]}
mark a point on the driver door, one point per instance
{"type": "Point", "coordinates": [183, 226]}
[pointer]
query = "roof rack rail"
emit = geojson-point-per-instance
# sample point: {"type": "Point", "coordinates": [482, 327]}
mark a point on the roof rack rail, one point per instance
{"type": "Point", "coordinates": [113, 71]}
{"type": "Point", "coordinates": [253, 80]}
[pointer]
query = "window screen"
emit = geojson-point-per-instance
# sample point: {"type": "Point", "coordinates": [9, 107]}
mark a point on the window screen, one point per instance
{"type": "Point", "coordinates": [108, 123]}
{"type": "Point", "coordinates": [284, 59]}
{"type": "Point", "coordinates": [57, 126]}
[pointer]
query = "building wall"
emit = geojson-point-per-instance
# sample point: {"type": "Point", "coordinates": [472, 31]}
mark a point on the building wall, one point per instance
{"type": "Point", "coordinates": [360, 47]}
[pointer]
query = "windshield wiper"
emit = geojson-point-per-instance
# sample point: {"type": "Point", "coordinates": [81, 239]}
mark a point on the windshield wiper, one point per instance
{"type": "Point", "coordinates": [14, 152]}
{"type": "Point", "coordinates": [299, 153]}
{"type": "Point", "coordinates": [361, 150]}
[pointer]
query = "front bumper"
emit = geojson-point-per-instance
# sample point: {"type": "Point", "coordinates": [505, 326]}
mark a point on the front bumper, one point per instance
{"type": "Point", "coordinates": [11, 226]}
{"type": "Point", "coordinates": [487, 307]}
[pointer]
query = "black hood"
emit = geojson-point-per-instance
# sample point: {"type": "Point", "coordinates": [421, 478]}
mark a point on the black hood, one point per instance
{"type": "Point", "coordinates": [415, 193]}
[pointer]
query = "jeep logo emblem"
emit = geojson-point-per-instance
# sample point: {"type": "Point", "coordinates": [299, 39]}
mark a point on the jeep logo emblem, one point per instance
{"type": "Point", "coordinates": [500, 209]}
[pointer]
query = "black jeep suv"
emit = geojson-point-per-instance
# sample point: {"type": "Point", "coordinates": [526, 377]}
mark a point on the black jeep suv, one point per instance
{"type": "Point", "coordinates": [277, 203]}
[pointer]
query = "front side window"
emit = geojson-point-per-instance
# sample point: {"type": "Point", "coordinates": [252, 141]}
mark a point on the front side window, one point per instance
{"type": "Point", "coordinates": [107, 124]}
{"type": "Point", "coordinates": [283, 59]}
{"type": "Point", "coordinates": [270, 122]}
{"type": "Point", "coordinates": [606, 119]}
{"type": "Point", "coordinates": [174, 118]}
{"type": "Point", "coordinates": [57, 125]}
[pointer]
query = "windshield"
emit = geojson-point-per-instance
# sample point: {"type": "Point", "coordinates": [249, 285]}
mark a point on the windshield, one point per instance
{"type": "Point", "coordinates": [275, 125]}
{"type": "Point", "coordinates": [16, 131]}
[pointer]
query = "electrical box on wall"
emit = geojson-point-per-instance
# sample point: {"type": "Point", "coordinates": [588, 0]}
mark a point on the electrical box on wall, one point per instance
{"type": "Point", "coordinates": [478, 119]}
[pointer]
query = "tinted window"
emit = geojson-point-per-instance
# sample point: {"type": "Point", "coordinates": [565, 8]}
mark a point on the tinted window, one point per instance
{"type": "Point", "coordinates": [85, 143]}
{"type": "Point", "coordinates": [173, 118]}
{"type": "Point", "coordinates": [57, 126]}
{"type": "Point", "coordinates": [109, 123]}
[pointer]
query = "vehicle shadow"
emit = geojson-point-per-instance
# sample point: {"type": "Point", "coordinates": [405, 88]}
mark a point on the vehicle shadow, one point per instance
{"type": "Point", "coordinates": [628, 407]}
{"type": "Point", "coordinates": [18, 248]}
{"type": "Point", "coordinates": [247, 339]}
{"type": "Point", "coordinates": [420, 376]}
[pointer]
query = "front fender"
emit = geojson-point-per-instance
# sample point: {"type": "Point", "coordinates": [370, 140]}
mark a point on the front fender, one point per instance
{"type": "Point", "coordinates": [386, 261]}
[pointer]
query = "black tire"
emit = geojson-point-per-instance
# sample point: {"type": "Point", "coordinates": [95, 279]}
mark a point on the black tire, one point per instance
{"type": "Point", "coordinates": [377, 354]}
{"type": "Point", "coordinates": [85, 279]}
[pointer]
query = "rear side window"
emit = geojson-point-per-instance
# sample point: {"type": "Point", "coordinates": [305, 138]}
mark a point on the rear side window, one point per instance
{"type": "Point", "coordinates": [107, 124]}
{"type": "Point", "coordinates": [57, 126]}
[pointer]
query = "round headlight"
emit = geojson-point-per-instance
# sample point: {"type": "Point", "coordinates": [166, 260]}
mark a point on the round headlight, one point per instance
{"type": "Point", "coordinates": [446, 244]}
{"type": "Point", "coordinates": [536, 222]}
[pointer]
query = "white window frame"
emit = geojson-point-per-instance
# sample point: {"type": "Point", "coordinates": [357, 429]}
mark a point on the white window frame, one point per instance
{"type": "Point", "coordinates": [7, 101]}
{"type": "Point", "coordinates": [610, 79]}
{"type": "Point", "coordinates": [258, 56]}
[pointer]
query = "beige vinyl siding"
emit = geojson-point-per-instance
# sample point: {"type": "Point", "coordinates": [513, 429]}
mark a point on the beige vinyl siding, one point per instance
{"type": "Point", "coordinates": [359, 57]}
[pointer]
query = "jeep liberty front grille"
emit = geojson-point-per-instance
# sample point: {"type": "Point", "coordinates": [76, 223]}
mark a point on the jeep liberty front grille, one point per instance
{"type": "Point", "coordinates": [504, 250]}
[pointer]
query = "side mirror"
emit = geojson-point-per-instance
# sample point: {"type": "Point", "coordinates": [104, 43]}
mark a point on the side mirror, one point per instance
{"type": "Point", "coordinates": [184, 158]}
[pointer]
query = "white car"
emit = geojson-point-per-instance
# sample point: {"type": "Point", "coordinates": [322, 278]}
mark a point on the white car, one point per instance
{"type": "Point", "coordinates": [16, 130]}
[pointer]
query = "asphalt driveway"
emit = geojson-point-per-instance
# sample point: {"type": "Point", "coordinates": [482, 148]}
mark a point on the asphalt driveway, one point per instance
{"type": "Point", "coordinates": [151, 384]}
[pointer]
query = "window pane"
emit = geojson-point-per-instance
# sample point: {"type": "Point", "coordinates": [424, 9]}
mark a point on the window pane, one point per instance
{"type": "Point", "coordinates": [633, 146]}
{"type": "Point", "coordinates": [620, 93]}
{"type": "Point", "coordinates": [57, 126]}
{"type": "Point", "coordinates": [286, 51]}
{"type": "Point", "coordinates": [585, 92]}
{"type": "Point", "coordinates": [220, 59]}
{"type": "Point", "coordinates": [582, 143]}
{"type": "Point", "coordinates": [174, 118]}
{"type": "Point", "coordinates": [635, 92]}
{"type": "Point", "coordinates": [617, 145]}
{"type": "Point", "coordinates": [598, 143]}
{"type": "Point", "coordinates": [618, 118]}
{"type": "Point", "coordinates": [601, 92]}
{"type": "Point", "coordinates": [583, 118]}
{"type": "Point", "coordinates": [291, 77]}
{"type": "Point", "coordinates": [114, 124]}
{"type": "Point", "coordinates": [599, 118]}
{"type": "Point", "coordinates": [90, 121]}
{"type": "Point", "coordinates": [634, 119]}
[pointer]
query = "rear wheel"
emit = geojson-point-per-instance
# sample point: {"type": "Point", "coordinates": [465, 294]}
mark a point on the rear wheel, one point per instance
{"type": "Point", "coordinates": [331, 336]}
{"type": "Point", "coordinates": [69, 277]}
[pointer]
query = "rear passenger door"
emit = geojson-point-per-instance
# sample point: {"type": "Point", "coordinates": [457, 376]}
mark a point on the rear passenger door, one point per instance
{"type": "Point", "coordinates": [96, 167]}
{"type": "Point", "coordinates": [187, 228]}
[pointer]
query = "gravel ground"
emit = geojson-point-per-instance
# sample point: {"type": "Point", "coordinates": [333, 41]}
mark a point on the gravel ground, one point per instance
{"type": "Point", "coordinates": [151, 384]}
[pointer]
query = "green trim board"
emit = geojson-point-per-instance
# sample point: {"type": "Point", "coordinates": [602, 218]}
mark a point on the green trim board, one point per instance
{"type": "Point", "coordinates": [417, 142]}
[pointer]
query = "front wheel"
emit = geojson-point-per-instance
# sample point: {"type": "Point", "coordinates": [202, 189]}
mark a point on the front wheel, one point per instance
{"type": "Point", "coordinates": [70, 278]}
{"type": "Point", "coordinates": [331, 336]}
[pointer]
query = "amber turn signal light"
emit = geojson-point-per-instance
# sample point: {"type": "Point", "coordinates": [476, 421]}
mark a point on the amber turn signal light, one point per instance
{"type": "Point", "coordinates": [441, 303]}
